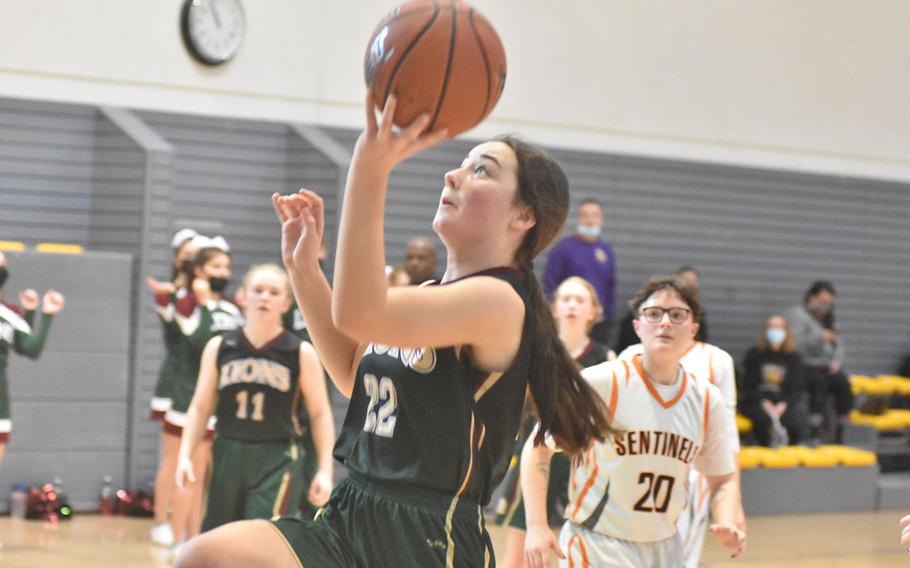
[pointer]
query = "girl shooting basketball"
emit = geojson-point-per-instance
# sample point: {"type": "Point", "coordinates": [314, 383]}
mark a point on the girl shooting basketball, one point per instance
{"type": "Point", "coordinates": [436, 374]}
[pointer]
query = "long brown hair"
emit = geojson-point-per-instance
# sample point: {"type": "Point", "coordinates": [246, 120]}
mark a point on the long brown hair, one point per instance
{"type": "Point", "coordinates": [566, 405]}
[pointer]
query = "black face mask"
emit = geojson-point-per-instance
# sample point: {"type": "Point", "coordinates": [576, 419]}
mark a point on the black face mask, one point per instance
{"type": "Point", "coordinates": [218, 285]}
{"type": "Point", "coordinates": [4, 274]}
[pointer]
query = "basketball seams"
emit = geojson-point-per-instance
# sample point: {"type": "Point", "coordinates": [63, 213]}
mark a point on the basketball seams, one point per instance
{"type": "Point", "coordinates": [486, 63]}
{"type": "Point", "coordinates": [445, 78]}
{"type": "Point", "coordinates": [407, 50]}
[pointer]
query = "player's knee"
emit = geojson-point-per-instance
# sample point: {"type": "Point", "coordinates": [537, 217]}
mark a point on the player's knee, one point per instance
{"type": "Point", "coordinates": [200, 552]}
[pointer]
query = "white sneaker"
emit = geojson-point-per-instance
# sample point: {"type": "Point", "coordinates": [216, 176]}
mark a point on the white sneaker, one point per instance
{"type": "Point", "coordinates": [162, 535]}
{"type": "Point", "coordinates": [175, 550]}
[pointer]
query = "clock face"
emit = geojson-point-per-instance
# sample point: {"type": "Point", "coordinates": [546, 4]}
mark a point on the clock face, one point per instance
{"type": "Point", "coordinates": [212, 29]}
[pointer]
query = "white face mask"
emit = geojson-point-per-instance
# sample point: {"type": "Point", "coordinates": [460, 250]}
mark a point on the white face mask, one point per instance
{"type": "Point", "coordinates": [585, 231]}
{"type": "Point", "coordinates": [775, 336]}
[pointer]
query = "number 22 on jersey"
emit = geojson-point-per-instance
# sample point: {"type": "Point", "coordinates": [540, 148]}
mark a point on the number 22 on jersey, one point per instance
{"type": "Point", "coordinates": [381, 411]}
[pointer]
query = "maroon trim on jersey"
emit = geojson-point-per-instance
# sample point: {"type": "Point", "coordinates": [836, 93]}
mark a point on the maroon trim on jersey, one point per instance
{"type": "Point", "coordinates": [516, 272]}
{"type": "Point", "coordinates": [175, 430]}
{"type": "Point", "coordinates": [157, 415]}
{"type": "Point", "coordinates": [4, 437]}
{"type": "Point", "coordinates": [186, 305]}
{"type": "Point", "coordinates": [14, 308]}
{"type": "Point", "coordinates": [162, 300]}
{"type": "Point", "coordinates": [266, 345]}
{"type": "Point", "coordinates": [584, 352]}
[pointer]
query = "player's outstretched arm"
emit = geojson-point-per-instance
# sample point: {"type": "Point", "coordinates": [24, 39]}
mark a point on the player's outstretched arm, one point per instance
{"type": "Point", "coordinates": [302, 224]}
{"type": "Point", "coordinates": [725, 507]}
{"type": "Point", "coordinates": [535, 475]}
{"type": "Point", "coordinates": [197, 416]}
{"type": "Point", "coordinates": [316, 397]}
{"type": "Point", "coordinates": [32, 344]}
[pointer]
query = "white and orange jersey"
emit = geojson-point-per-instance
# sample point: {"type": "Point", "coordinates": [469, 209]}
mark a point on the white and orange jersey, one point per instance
{"type": "Point", "coordinates": [708, 362]}
{"type": "Point", "coordinates": [634, 486]}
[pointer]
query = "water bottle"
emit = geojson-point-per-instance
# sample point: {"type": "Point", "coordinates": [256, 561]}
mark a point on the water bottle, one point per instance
{"type": "Point", "coordinates": [107, 496]}
{"type": "Point", "coordinates": [17, 500]}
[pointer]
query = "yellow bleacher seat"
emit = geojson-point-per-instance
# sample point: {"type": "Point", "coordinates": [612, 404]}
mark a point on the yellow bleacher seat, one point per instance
{"type": "Point", "coordinates": [750, 457]}
{"type": "Point", "coordinates": [12, 245]}
{"type": "Point", "coordinates": [901, 384]}
{"type": "Point", "coordinates": [781, 458]}
{"type": "Point", "coordinates": [859, 384]}
{"type": "Point", "coordinates": [888, 421]}
{"type": "Point", "coordinates": [852, 457]}
{"type": "Point", "coordinates": [743, 424]}
{"type": "Point", "coordinates": [818, 457]}
{"type": "Point", "coordinates": [899, 416]}
{"type": "Point", "coordinates": [60, 248]}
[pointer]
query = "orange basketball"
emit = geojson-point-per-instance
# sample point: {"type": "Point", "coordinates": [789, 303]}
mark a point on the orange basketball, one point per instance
{"type": "Point", "coordinates": [439, 57]}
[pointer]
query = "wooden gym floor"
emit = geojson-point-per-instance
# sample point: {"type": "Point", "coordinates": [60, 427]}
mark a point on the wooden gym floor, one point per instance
{"type": "Point", "coordinates": [854, 540]}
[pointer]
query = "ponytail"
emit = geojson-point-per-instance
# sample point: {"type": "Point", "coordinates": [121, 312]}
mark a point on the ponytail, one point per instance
{"type": "Point", "coordinates": [568, 408]}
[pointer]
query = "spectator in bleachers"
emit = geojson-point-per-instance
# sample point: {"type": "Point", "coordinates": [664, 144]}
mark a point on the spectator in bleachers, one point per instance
{"type": "Point", "coordinates": [822, 351]}
{"type": "Point", "coordinates": [420, 260]}
{"type": "Point", "coordinates": [627, 335]}
{"type": "Point", "coordinates": [586, 255]}
{"type": "Point", "coordinates": [773, 387]}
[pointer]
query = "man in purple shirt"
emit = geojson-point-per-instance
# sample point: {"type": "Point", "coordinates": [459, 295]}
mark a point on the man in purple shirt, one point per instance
{"type": "Point", "coordinates": [585, 254]}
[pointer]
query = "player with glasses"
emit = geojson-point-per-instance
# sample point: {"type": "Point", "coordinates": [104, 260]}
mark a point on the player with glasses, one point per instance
{"type": "Point", "coordinates": [626, 494]}
{"type": "Point", "coordinates": [655, 314]}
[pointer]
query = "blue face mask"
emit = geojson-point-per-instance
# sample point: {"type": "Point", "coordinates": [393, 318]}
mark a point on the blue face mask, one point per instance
{"type": "Point", "coordinates": [589, 232]}
{"type": "Point", "coordinates": [775, 336]}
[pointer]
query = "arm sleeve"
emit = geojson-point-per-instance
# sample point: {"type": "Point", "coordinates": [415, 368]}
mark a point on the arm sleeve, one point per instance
{"type": "Point", "coordinates": [29, 317]}
{"type": "Point", "coordinates": [716, 456]}
{"type": "Point", "coordinates": [809, 336]}
{"type": "Point", "coordinates": [32, 344]}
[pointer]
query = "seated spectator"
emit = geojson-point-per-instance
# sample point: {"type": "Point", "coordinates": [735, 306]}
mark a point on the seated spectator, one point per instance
{"type": "Point", "coordinates": [773, 385]}
{"type": "Point", "coordinates": [822, 352]}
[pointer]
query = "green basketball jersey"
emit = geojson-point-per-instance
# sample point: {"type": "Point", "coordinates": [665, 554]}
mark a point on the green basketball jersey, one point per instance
{"type": "Point", "coordinates": [198, 325]}
{"type": "Point", "coordinates": [429, 418]}
{"type": "Point", "coordinates": [258, 389]}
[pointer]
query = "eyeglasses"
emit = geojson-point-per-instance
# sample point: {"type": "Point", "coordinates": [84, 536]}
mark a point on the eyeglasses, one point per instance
{"type": "Point", "coordinates": [655, 314]}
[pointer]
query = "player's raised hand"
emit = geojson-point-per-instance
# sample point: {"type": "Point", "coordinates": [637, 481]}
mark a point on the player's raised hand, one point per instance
{"type": "Point", "coordinates": [28, 299]}
{"type": "Point", "coordinates": [539, 541]}
{"type": "Point", "coordinates": [52, 302]}
{"type": "Point", "coordinates": [160, 288]}
{"type": "Point", "coordinates": [320, 489]}
{"type": "Point", "coordinates": [383, 146]}
{"type": "Point", "coordinates": [730, 537]}
{"type": "Point", "coordinates": [302, 219]}
{"type": "Point", "coordinates": [202, 290]}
